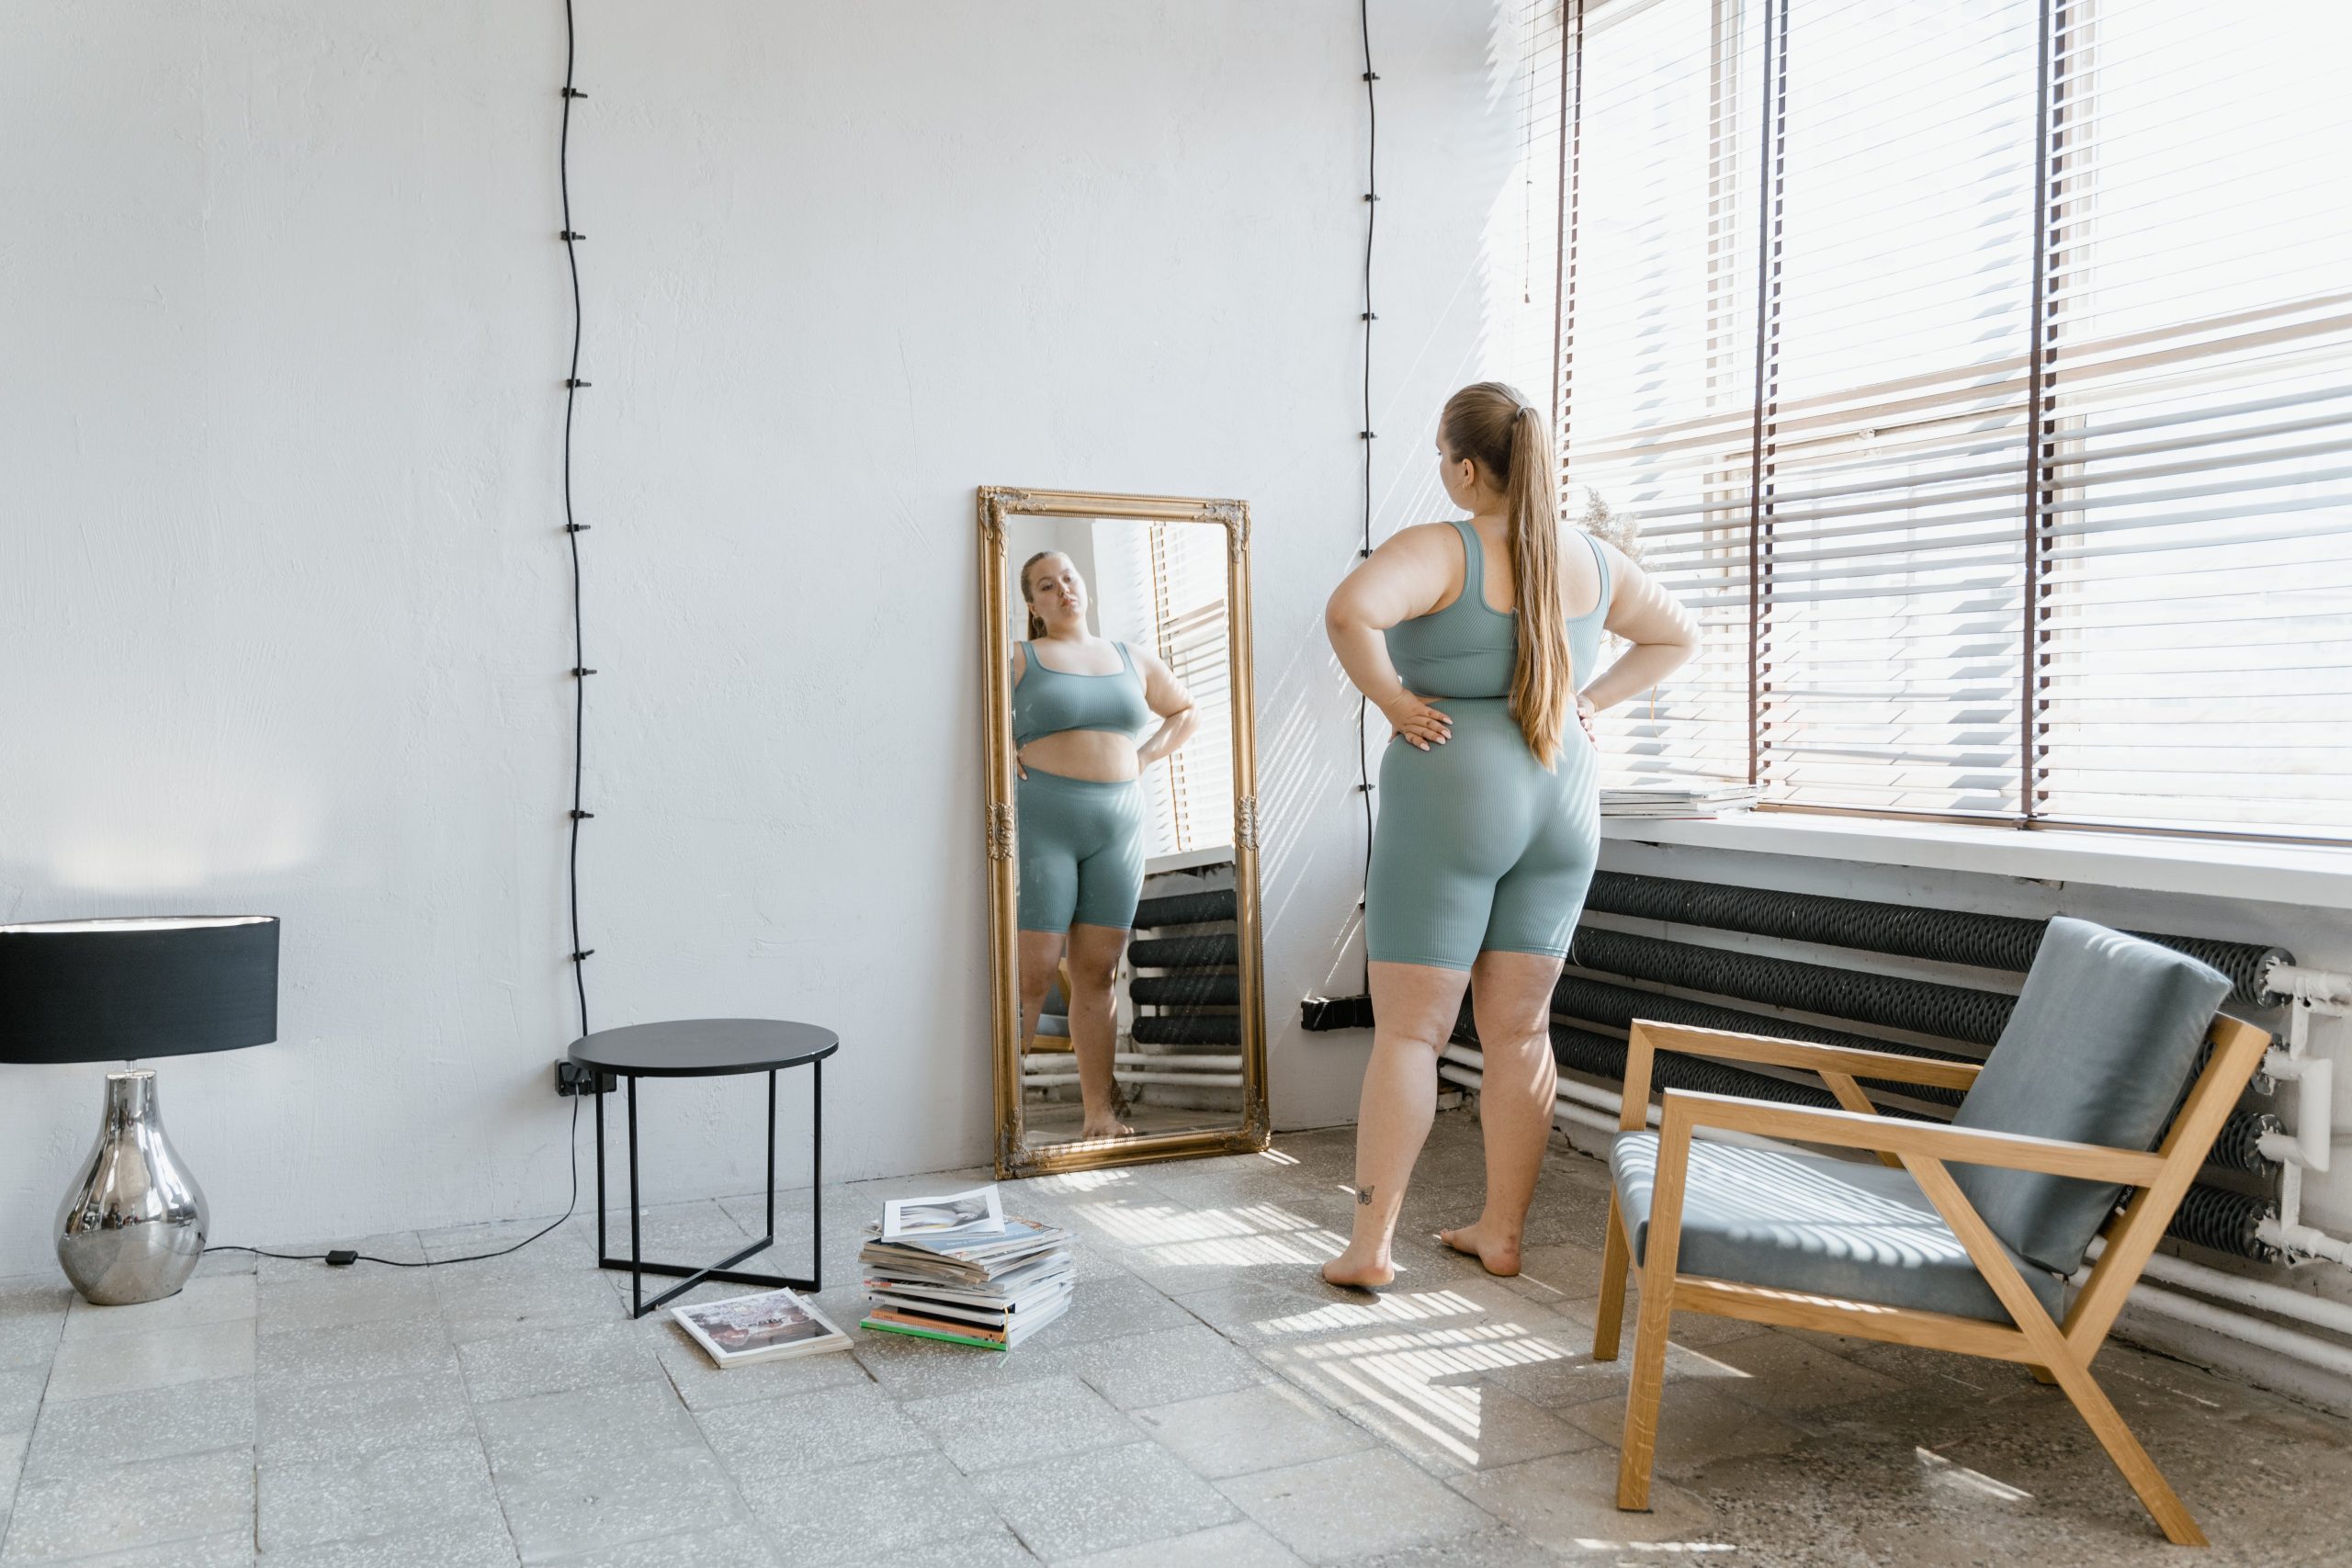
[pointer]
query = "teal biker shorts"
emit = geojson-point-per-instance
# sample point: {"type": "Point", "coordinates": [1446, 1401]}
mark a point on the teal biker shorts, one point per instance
{"type": "Point", "coordinates": [1081, 852]}
{"type": "Point", "coordinates": [1479, 848]}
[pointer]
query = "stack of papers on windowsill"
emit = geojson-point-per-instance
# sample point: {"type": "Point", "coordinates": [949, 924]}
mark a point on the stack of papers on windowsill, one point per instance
{"type": "Point", "coordinates": [987, 1290]}
{"type": "Point", "coordinates": [1680, 798]}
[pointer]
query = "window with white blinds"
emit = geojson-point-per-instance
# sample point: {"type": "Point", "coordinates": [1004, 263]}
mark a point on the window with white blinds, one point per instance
{"type": "Point", "coordinates": [1980, 372]}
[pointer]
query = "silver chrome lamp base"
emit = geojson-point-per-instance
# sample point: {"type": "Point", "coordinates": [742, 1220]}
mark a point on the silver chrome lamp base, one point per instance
{"type": "Point", "coordinates": [133, 1224]}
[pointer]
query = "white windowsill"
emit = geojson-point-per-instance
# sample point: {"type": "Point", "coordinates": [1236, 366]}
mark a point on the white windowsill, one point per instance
{"type": "Point", "coordinates": [2277, 874]}
{"type": "Point", "coordinates": [1188, 860]}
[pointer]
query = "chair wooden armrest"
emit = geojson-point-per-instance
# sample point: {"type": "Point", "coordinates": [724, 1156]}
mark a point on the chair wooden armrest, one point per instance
{"type": "Point", "coordinates": [1687, 1111]}
{"type": "Point", "coordinates": [1648, 1037]}
{"type": "Point", "coordinates": [1838, 1066]}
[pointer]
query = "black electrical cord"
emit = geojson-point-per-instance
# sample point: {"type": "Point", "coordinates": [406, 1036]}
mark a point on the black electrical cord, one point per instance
{"type": "Point", "coordinates": [579, 674]}
{"type": "Point", "coordinates": [1371, 215]}
{"type": "Point", "coordinates": [572, 1137]}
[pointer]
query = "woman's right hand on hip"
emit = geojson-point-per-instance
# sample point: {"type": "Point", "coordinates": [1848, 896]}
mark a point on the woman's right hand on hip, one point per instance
{"type": "Point", "coordinates": [1417, 722]}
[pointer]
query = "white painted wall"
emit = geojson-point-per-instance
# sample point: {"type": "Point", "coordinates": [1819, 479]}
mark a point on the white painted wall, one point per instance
{"type": "Point", "coordinates": [285, 605]}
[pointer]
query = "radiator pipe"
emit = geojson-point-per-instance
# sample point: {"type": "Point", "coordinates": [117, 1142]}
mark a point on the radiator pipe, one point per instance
{"type": "Point", "coordinates": [2259, 975]}
{"type": "Point", "coordinates": [2288, 1342]}
{"type": "Point", "coordinates": [1046, 1061]}
{"type": "Point", "coordinates": [1122, 1075]}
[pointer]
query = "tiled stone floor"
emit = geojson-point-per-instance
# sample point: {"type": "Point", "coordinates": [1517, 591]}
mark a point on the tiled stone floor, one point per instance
{"type": "Point", "coordinates": [1207, 1401]}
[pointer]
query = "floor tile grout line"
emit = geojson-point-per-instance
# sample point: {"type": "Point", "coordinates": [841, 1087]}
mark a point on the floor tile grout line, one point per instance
{"type": "Point", "coordinates": [473, 1421]}
{"type": "Point", "coordinates": [40, 1408]}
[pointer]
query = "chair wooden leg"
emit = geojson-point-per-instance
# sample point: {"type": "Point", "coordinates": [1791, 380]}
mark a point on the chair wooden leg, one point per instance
{"type": "Point", "coordinates": [1643, 1394]}
{"type": "Point", "coordinates": [2070, 1368]}
{"type": "Point", "coordinates": [1616, 1256]}
{"type": "Point", "coordinates": [2043, 1375]}
{"type": "Point", "coordinates": [2107, 1425]}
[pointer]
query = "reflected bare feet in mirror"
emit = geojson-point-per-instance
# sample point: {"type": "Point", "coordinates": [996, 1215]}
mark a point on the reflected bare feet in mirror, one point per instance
{"type": "Point", "coordinates": [1109, 1127]}
{"type": "Point", "coordinates": [1497, 1253]}
{"type": "Point", "coordinates": [1360, 1270]}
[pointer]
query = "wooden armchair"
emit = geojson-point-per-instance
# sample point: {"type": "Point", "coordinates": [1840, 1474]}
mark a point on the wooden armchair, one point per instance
{"type": "Point", "coordinates": [2056, 1124]}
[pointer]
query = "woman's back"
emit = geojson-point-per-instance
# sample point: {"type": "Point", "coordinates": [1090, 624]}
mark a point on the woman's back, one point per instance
{"type": "Point", "coordinates": [1467, 649]}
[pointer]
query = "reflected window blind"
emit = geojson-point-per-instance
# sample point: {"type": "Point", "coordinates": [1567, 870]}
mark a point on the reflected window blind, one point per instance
{"type": "Point", "coordinates": [1980, 373]}
{"type": "Point", "coordinates": [1193, 791]}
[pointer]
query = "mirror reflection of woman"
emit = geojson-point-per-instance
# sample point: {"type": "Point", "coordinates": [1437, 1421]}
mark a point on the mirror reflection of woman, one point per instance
{"type": "Point", "coordinates": [1078, 702]}
{"type": "Point", "coordinates": [1471, 636]}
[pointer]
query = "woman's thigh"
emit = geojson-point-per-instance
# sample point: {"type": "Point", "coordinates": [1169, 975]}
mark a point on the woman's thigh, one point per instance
{"type": "Point", "coordinates": [1417, 1001]}
{"type": "Point", "coordinates": [1510, 998]}
{"type": "Point", "coordinates": [1095, 952]}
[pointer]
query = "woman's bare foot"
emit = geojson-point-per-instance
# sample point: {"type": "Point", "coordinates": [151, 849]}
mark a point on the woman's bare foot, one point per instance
{"type": "Point", "coordinates": [1496, 1254]}
{"type": "Point", "coordinates": [1109, 1127]}
{"type": "Point", "coordinates": [1363, 1270]}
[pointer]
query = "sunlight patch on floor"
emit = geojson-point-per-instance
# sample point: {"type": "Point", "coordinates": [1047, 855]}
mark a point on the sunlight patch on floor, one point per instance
{"type": "Point", "coordinates": [1427, 1379]}
{"type": "Point", "coordinates": [1248, 1236]}
{"type": "Point", "coordinates": [1394, 1307]}
{"type": "Point", "coordinates": [1951, 1474]}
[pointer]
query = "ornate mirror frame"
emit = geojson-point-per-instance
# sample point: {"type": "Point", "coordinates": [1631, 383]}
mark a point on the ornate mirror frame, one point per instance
{"type": "Point", "coordinates": [998, 505]}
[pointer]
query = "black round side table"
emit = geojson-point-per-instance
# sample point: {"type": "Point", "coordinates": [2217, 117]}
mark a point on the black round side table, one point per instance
{"type": "Point", "coordinates": [702, 1048]}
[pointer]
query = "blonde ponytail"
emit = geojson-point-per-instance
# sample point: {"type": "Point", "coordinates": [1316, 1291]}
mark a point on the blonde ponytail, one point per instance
{"type": "Point", "coordinates": [1493, 426]}
{"type": "Point", "coordinates": [1036, 626]}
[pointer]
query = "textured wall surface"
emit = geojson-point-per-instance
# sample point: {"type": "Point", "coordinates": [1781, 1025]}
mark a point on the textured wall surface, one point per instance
{"type": "Point", "coordinates": [284, 598]}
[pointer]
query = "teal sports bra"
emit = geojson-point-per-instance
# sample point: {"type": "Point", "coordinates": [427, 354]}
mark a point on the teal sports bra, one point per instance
{"type": "Point", "coordinates": [1047, 701]}
{"type": "Point", "coordinates": [1467, 649]}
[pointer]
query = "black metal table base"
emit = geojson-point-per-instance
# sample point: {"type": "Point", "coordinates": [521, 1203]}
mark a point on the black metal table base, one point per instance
{"type": "Point", "coordinates": [723, 1270]}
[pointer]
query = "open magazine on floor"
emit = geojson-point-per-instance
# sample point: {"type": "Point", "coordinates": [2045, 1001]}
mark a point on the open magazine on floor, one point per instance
{"type": "Point", "coordinates": [765, 1327]}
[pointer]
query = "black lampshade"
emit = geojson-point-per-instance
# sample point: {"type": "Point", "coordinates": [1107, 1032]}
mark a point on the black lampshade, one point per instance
{"type": "Point", "coordinates": [115, 990]}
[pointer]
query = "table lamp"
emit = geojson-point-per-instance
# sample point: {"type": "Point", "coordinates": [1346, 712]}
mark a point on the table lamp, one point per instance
{"type": "Point", "coordinates": [133, 1226]}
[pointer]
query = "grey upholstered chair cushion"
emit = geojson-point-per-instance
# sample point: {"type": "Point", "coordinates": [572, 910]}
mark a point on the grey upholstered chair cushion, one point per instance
{"type": "Point", "coordinates": [2099, 1051]}
{"type": "Point", "coordinates": [1829, 1227]}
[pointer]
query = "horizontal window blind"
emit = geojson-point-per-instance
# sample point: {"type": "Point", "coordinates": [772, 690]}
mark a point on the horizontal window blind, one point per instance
{"type": "Point", "coordinates": [1980, 373]}
{"type": "Point", "coordinates": [2193, 658]}
{"type": "Point", "coordinates": [1892, 567]}
{"type": "Point", "coordinates": [1659, 339]}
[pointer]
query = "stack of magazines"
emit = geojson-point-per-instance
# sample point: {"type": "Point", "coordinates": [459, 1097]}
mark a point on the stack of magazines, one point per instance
{"type": "Point", "coordinates": [962, 1282]}
{"type": "Point", "coordinates": [1687, 797]}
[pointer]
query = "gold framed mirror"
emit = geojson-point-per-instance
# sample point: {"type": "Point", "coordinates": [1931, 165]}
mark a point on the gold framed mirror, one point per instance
{"type": "Point", "coordinates": [1121, 829]}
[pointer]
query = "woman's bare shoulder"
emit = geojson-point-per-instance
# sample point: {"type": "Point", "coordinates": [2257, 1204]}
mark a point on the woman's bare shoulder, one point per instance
{"type": "Point", "coordinates": [1434, 540]}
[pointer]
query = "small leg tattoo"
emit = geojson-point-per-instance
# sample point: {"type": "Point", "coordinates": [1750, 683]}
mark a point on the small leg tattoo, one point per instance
{"type": "Point", "coordinates": [1363, 1197]}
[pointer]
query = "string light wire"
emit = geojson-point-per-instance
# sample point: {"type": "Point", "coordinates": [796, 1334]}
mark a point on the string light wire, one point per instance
{"type": "Point", "coordinates": [1364, 551]}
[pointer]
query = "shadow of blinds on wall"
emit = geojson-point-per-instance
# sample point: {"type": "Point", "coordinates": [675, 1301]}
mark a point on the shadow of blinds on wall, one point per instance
{"type": "Point", "coordinates": [2194, 633]}
{"type": "Point", "coordinates": [1521, 253]}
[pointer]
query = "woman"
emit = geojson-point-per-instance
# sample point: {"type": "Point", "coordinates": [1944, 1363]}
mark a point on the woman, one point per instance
{"type": "Point", "coordinates": [1078, 702]}
{"type": "Point", "coordinates": [1470, 637]}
